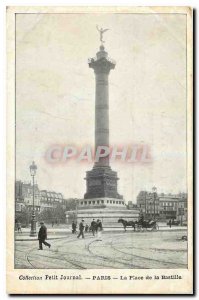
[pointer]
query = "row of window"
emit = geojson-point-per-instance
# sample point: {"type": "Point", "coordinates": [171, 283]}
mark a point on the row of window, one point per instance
{"type": "Point", "coordinates": [52, 195]}
{"type": "Point", "coordinates": [169, 203]}
{"type": "Point", "coordinates": [46, 194]}
{"type": "Point", "coordinates": [52, 199]}
{"type": "Point", "coordinates": [37, 208]}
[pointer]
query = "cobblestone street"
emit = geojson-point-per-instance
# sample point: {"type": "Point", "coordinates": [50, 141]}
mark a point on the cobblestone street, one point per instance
{"type": "Point", "coordinates": [134, 250]}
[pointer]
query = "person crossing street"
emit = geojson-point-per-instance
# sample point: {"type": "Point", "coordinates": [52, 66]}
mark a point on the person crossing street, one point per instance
{"type": "Point", "coordinates": [93, 227]}
{"type": "Point", "coordinates": [42, 236]}
{"type": "Point", "coordinates": [99, 229]}
{"type": "Point", "coordinates": [74, 226]}
{"type": "Point", "coordinates": [81, 229]}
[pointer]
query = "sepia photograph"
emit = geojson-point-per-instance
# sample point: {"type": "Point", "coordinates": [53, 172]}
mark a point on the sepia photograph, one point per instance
{"type": "Point", "coordinates": [100, 141]}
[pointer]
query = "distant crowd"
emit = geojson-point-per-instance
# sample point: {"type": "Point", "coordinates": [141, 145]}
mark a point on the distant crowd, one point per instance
{"type": "Point", "coordinates": [95, 227]}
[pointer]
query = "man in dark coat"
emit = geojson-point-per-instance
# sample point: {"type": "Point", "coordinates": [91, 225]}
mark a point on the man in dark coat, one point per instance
{"type": "Point", "coordinates": [74, 226]}
{"type": "Point", "coordinates": [42, 236]}
{"type": "Point", "coordinates": [170, 223]}
{"type": "Point", "coordinates": [99, 225]}
{"type": "Point", "coordinates": [93, 227]}
{"type": "Point", "coordinates": [81, 229]}
{"type": "Point", "coordinates": [99, 229]}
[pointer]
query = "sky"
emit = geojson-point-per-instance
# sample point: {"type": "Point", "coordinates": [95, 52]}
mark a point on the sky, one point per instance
{"type": "Point", "coordinates": [55, 97]}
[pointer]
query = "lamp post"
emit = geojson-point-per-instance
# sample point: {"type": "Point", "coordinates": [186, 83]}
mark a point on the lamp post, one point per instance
{"type": "Point", "coordinates": [154, 189]}
{"type": "Point", "coordinates": [33, 169]}
{"type": "Point", "coordinates": [76, 208]}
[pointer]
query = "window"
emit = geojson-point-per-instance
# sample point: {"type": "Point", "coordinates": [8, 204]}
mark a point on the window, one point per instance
{"type": "Point", "coordinates": [111, 201]}
{"type": "Point", "coordinates": [81, 203]}
{"type": "Point", "coordinates": [116, 202]}
{"type": "Point", "coordinates": [102, 201]}
{"type": "Point", "coordinates": [107, 201]}
{"type": "Point", "coordinates": [85, 202]}
{"type": "Point", "coordinates": [93, 202]}
{"type": "Point", "coordinates": [98, 202]}
{"type": "Point", "coordinates": [89, 202]}
{"type": "Point", "coordinates": [119, 202]}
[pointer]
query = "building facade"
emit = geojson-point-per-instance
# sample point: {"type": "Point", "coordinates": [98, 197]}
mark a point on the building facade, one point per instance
{"type": "Point", "coordinates": [163, 206]}
{"type": "Point", "coordinates": [148, 203]}
{"type": "Point", "coordinates": [50, 200]}
{"type": "Point", "coordinates": [43, 199]}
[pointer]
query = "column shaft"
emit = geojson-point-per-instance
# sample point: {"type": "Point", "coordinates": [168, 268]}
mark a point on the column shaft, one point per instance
{"type": "Point", "coordinates": [102, 114]}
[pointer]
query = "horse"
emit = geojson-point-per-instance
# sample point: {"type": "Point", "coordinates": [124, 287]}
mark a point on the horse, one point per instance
{"type": "Point", "coordinates": [127, 224]}
{"type": "Point", "coordinates": [148, 224]}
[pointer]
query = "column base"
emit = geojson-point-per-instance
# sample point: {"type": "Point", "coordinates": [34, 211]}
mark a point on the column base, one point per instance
{"type": "Point", "coordinates": [102, 182]}
{"type": "Point", "coordinates": [33, 231]}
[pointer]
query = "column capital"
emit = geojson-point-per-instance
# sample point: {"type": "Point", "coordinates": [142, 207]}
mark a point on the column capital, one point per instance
{"type": "Point", "coordinates": [101, 63]}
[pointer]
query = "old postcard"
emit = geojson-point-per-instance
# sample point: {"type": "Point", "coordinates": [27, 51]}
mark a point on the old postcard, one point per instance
{"type": "Point", "coordinates": [99, 150]}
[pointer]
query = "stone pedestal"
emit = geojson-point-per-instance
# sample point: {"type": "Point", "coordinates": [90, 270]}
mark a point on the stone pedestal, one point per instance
{"type": "Point", "coordinates": [109, 217]}
{"type": "Point", "coordinates": [101, 182]}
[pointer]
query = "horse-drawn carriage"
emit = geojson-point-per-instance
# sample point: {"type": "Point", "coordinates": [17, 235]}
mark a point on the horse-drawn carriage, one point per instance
{"type": "Point", "coordinates": [150, 225]}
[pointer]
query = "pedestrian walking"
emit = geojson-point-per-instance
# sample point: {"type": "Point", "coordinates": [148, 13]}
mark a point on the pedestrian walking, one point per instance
{"type": "Point", "coordinates": [86, 228]}
{"type": "Point", "coordinates": [170, 223]}
{"type": "Point", "coordinates": [16, 221]}
{"type": "Point", "coordinates": [19, 227]}
{"type": "Point", "coordinates": [74, 226]}
{"type": "Point", "coordinates": [81, 229]}
{"type": "Point", "coordinates": [93, 227]}
{"type": "Point", "coordinates": [99, 229]}
{"type": "Point", "coordinates": [42, 236]}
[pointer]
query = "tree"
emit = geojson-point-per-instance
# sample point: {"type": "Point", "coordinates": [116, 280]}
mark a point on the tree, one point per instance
{"type": "Point", "coordinates": [59, 213]}
{"type": "Point", "coordinates": [46, 215]}
{"type": "Point", "coordinates": [24, 217]}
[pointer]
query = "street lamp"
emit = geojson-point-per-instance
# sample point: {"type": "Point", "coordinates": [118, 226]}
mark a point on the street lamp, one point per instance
{"type": "Point", "coordinates": [33, 169]}
{"type": "Point", "coordinates": [154, 189]}
{"type": "Point", "coordinates": [76, 208]}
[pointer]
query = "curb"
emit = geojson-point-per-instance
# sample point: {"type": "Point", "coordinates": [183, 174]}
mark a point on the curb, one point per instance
{"type": "Point", "coordinates": [128, 231]}
{"type": "Point", "coordinates": [36, 239]}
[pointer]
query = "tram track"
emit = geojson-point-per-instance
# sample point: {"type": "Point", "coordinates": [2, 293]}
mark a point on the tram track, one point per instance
{"type": "Point", "coordinates": [111, 259]}
{"type": "Point", "coordinates": [75, 263]}
{"type": "Point", "coordinates": [60, 258]}
{"type": "Point", "coordinates": [30, 250]}
{"type": "Point", "coordinates": [147, 258]}
{"type": "Point", "coordinates": [69, 257]}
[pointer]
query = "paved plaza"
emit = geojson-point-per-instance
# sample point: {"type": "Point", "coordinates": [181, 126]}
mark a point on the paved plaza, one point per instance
{"type": "Point", "coordinates": [118, 250]}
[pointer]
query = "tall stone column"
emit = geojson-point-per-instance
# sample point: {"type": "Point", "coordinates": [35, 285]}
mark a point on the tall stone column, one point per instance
{"type": "Point", "coordinates": [102, 66]}
{"type": "Point", "coordinates": [101, 180]}
{"type": "Point", "coordinates": [101, 114]}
